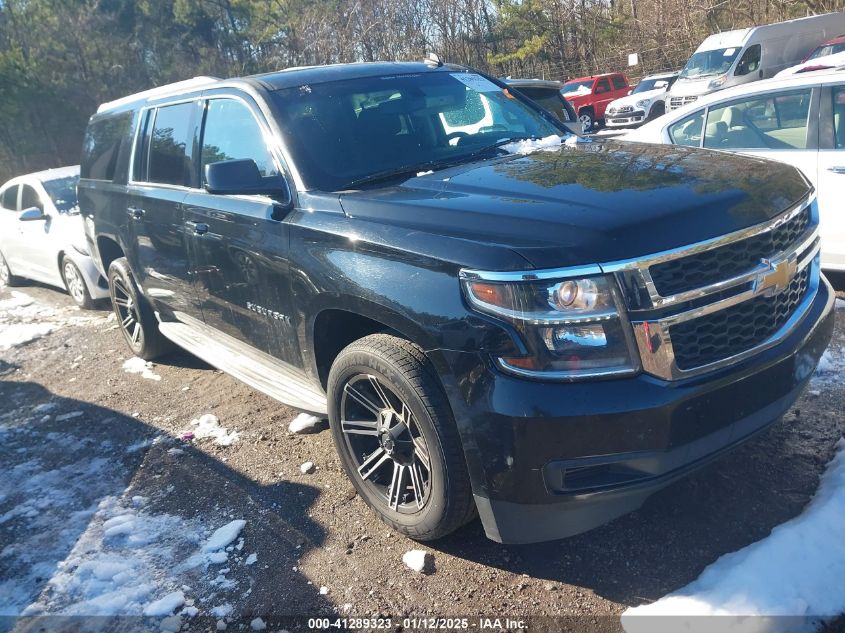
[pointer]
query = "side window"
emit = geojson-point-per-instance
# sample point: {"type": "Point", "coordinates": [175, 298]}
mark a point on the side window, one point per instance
{"type": "Point", "coordinates": [170, 145]}
{"type": "Point", "coordinates": [10, 198]}
{"type": "Point", "coordinates": [687, 131]}
{"type": "Point", "coordinates": [101, 146]}
{"type": "Point", "coordinates": [839, 116]}
{"type": "Point", "coordinates": [749, 62]}
{"type": "Point", "coordinates": [602, 85]}
{"type": "Point", "coordinates": [231, 132]}
{"type": "Point", "coordinates": [777, 121]}
{"type": "Point", "coordinates": [618, 82]}
{"type": "Point", "coordinates": [29, 198]}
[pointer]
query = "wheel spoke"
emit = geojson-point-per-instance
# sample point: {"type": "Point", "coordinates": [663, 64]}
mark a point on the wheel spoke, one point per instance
{"type": "Point", "coordinates": [361, 399]}
{"type": "Point", "coordinates": [127, 321]}
{"type": "Point", "coordinates": [136, 333]}
{"type": "Point", "coordinates": [417, 483]}
{"type": "Point", "coordinates": [397, 485]}
{"type": "Point", "coordinates": [123, 303]}
{"type": "Point", "coordinates": [380, 392]}
{"type": "Point", "coordinates": [373, 463]}
{"type": "Point", "coordinates": [421, 453]}
{"type": "Point", "coordinates": [359, 427]}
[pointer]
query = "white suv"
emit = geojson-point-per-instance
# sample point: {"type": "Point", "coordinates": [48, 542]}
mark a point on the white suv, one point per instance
{"type": "Point", "coordinates": [798, 120]}
{"type": "Point", "coordinates": [646, 102]}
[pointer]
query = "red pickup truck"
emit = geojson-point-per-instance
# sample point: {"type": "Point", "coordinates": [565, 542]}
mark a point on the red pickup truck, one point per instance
{"type": "Point", "coordinates": [590, 95]}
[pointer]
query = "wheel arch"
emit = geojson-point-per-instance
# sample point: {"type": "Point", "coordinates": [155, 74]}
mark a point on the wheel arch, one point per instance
{"type": "Point", "coordinates": [109, 250]}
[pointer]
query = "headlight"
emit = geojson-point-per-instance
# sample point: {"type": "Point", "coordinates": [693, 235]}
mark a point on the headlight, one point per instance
{"type": "Point", "coordinates": [571, 328]}
{"type": "Point", "coordinates": [717, 82]}
{"type": "Point", "coordinates": [643, 103]}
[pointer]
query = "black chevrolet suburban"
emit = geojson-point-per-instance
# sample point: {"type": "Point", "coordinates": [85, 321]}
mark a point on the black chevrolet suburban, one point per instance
{"type": "Point", "coordinates": [495, 316]}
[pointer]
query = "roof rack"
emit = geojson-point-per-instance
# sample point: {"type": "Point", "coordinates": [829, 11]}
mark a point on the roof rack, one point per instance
{"type": "Point", "coordinates": [160, 91]}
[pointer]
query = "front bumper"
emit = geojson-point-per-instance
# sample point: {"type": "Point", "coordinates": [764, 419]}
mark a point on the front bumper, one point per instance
{"type": "Point", "coordinates": [625, 120]}
{"type": "Point", "coordinates": [550, 460]}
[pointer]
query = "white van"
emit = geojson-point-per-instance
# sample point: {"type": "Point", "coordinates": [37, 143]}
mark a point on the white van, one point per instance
{"type": "Point", "coordinates": [737, 57]}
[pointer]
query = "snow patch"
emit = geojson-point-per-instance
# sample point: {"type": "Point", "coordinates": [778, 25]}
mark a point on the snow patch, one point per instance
{"type": "Point", "coordinates": [416, 559]}
{"type": "Point", "coordinates": [257, 625]}
{"type": "Point", "coordinates": [529, 146]}
{"type": "Point", "coordinates": [18, 334]}
{"type": "Point", "coordinates": [840, 304]}
{"type": "Point", "coordinates": [251, 559]}
{"type": "Point", "coordinates": [307, 468]}
{"type": "Point", "coordinates": [797, 570]}
{"type": "Point", "coordinates": [137, 365]}
{"type": "Point", "coordinates": [166, 605]}
{"type": "Point", "coordinates": [223, 536]}
{"type": "Point", "coordinates": [208, 426]}
{"type": "Point", "coordinates": [304, 423]}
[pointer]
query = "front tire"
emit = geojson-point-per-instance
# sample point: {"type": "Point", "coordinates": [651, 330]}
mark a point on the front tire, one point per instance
{"type": "Point", "coordinates": [658, 109]}
{"type": "Point", "coordinates": [393, 429]}
{"type": "Point", "coordinates": [75, 284]}
{"type": "Point", "coordinates": [6, 276]}
{"type": "Point", "coordinates": [134, 314]}
{"type": "Point", "coordinates": [587, 119]}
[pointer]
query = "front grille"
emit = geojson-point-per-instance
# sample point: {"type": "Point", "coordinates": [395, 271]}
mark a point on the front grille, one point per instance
{"type": "Point", "coordinates": [737, 329]}
{"type": "Point", "coordinates": [725, 262]}
{"type": "Point", "coordinates": [677, 102]}
{"type": "Point", "coordinates": [623, 109]}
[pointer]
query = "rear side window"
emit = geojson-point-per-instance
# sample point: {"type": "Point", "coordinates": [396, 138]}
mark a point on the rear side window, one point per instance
{"type": "Point", "coordinates": [776, 121]}
{"type": "Point", "coordinates": [231, 132]}
{"type": "Point", "coordinates": [29, 199]}
{"type": "Point", "coordinates": [687, 131]}
{"type": "Point", "coordinates": [618, 82]}
{"type": "Point", "coordinates": [10, 198]}
{"type": "Point", "coordinates": [170, 145]}
{"type": "Point", "coordinates": [101, 146]}
{"type": "Point", "coordinates": [839, 116]}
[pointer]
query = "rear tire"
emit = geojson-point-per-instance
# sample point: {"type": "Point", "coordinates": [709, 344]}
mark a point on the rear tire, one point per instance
{"type": "Point", "coordinates": [75, 284]}
{"type": "Point", "coordinates": [134, 315]}
{"type": "Point", "coordinates": [393, 429]}
{"type": "Point", "coordinates": [6, 276]}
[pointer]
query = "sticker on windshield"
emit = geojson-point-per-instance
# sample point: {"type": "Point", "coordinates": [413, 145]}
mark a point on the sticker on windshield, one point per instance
{"type": "Point", "coordinates": [476, 82]}
{"type": "Point", "coordinates": [729, 51]}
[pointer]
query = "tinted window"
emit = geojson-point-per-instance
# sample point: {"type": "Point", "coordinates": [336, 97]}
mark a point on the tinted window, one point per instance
{"type": "Point", "coordinates": [232, 132]}
{"type": "Point", "coordinates": [170, 142]}
{"type": "Point", "coordinates": [750, 61]}
{"type": "Point", "coordinates": [839, 116]}
{"type": "Point", "coordinates": [618, 82]}
{"type": "Point", "coordinates": [62, 192]}
{"type": "Point", "coordinates": [687, 131]}
{"type": "Point", "coordinates": [602, 85]}
{"type": "Point", "coordinates": [29, 198]}
{"type": "Point", "coordinates": [10, 198]}
{"type": "Point", "coordinates": [777, 121]}
{"type": "Point", "coordinates": [342, 131]}
{"type": "Point", "coordinates": [548, 98]}
{"type": "Point", "coordinates": [101, 146]}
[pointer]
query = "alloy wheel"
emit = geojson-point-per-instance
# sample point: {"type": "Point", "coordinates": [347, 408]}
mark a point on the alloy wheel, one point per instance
{"type": "Point", "coordinates": [388, 448]}
{"type": "Point", "coordinates": [127, 311]}
{"type": "Point", "coordinates": [73, 281]}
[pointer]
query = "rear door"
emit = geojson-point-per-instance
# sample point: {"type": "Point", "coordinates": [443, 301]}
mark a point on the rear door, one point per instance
{"type": "Point", "coordinates": [831, 176]}
{"type": "Point", "coordinates": [238, 246]}
{"type": "Point", "coordinates": [163, 173]}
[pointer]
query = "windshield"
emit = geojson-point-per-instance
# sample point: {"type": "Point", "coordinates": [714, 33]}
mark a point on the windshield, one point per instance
{"type": "Point", "coordinates": [827, 49]}
{"type": "Point", "coordinates": [578, 87]}
{"type": "Point", "coordinates": [652, 84]}
{"type": "Point", "coordinates": [342, 132]}
{"type": "Point", "coordinates": [706, 63]}
{"type": "Point", "coordinates": [62, 192]}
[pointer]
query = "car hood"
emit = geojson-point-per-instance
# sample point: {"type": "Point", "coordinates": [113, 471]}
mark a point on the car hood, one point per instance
{"type": "Point", "coordinates": [589, 203]}
{"type": "Point", "coordinates": [632, 99]}
{"type": "Point", "coordinates": [692, 87]}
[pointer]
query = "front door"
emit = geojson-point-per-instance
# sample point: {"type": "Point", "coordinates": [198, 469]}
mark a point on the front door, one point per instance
{"type": "Point", "coordinates": [831, 182]}
{"type": "Point", "coordinates": [239, 248]}
{"type": "Point", "coordinates": [35, 239]}
{"type": "Point", "coordinates": [163, 172]}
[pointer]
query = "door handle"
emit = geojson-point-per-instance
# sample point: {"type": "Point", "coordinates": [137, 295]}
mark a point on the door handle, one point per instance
{"type": "Point", "coordinates": [134, 213]}
{"type": "Point", "coordinates": [199, 228]}
{"type": "Point", "coordinates": [837, 169]}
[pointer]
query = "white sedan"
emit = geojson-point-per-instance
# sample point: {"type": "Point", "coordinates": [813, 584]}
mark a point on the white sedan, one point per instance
{"type": "Point", "coordinates": [798, 120]}
{"type": "Point", "coordinates": [42, 237]}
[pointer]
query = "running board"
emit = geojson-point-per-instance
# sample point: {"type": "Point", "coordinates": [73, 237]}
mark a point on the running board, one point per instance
{"type": "Point", "coordinates": [258, 370]}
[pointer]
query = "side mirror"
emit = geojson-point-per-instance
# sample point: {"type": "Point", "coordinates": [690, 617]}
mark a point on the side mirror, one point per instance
{"type": "Point", "coordinates": [241, 178]}
{"type": "Point", "coordinates": [32, 214]}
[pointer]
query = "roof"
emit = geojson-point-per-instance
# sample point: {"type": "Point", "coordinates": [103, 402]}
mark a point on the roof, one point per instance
{"type": "Point", "coordinates": [674, 73]}
{"type": "Point", "coordinates": [533, 83]}
{"type": "Point", "coordinates": [292, 77]}
{"type": "Point", "coordinates": [51, 174]}
{"type": "Point", "coordinates": [194, 83]}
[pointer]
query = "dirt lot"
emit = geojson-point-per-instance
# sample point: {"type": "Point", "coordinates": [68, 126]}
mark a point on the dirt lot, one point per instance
{"type": "Point", "coordinates": [310, 531]}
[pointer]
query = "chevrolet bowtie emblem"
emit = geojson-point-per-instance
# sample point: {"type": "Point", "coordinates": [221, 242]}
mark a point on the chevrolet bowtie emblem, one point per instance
{"type": "Point", "coordinates": [776, 278]}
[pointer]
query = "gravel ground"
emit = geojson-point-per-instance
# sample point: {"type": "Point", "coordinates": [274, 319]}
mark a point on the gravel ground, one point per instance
{"type": "Point", "coordinates": [311, 530]}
